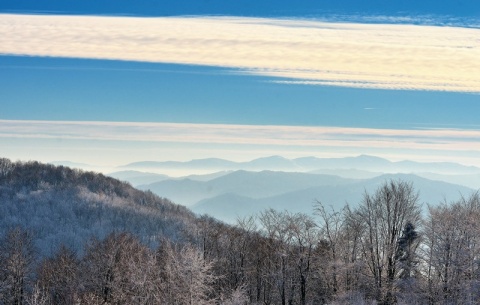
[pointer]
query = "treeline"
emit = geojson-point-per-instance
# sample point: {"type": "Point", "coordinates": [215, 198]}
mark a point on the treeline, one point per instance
{"type": "Point", "coordinates": [385, 250]}
{"type": "Point", "coordinates": [116, 270]}
{"type": "Point", "coordinates": [388, 249]}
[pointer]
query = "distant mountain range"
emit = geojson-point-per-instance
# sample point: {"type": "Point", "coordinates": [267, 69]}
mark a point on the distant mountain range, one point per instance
{"type": "Point", "coordinates": [229, 194]}
{"type": "Point", "coordinates": [137, 178]}
{"type": "Point", "coordinates": [237, 189]}
{"type": "Point", "coordinates": [252, 184]}
{"type": "Point", "coordinates": [231, 205]}
{"type": "Point", "coordinates": [307, 164]}
{"type": "Point", "coordinates": [244, 193]}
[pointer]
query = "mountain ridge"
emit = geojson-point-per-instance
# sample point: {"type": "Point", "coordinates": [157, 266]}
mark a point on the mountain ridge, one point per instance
{"type": "Point", "coordinates": [229, 206]}
{"type": "Point", "coordinates": [303, 164]}
{"type": "Point", "coordinates": [245, 183]}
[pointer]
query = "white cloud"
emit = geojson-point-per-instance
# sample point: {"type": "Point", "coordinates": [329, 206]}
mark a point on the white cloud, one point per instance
{"type": "Point", "coordinates": [380, 56]}
{"type": "Point", "coordinates": [433, 139]}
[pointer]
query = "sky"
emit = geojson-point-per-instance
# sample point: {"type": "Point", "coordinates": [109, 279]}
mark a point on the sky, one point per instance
{"type": "Point", "coordinates": [113, 82]}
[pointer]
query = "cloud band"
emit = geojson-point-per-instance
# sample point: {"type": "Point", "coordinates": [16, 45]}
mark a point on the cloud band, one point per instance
{"type": "Point", "coordinates": [379, 56]}
{"type": "Point", "coordinates": [434, 139]}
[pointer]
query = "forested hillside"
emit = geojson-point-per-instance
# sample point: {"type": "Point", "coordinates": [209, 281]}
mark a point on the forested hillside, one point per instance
{"type": "Point", "coordinates": [73, 237]}
{"type": "Point", "coordinates": [63, 205]}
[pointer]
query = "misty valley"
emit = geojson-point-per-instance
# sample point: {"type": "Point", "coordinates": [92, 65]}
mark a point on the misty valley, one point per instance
{"type": "Point", "coordinates": [70, 236]}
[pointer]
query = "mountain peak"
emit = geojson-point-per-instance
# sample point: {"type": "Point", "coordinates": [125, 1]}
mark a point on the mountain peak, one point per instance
{"type": "Point", "coordinates": [274, 157]}
{"type": "Point", "coordinates": [369, 157]}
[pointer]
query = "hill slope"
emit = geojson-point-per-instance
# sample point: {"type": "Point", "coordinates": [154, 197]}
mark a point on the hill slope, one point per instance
{"type": "Point", "coordinates": [63, 205]}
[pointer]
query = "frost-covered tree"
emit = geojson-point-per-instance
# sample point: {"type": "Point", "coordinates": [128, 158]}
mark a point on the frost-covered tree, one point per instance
{"type": "Point", "coordinates": [187, 277]}
{"type": "Point", "coordinates": [59, 278]}
{"type": "Point", "coordinates": [17, 259]}
{"type": "Point", "coordinates": [117, 270]}
{"type": "Point", "coordinates": [384, 215]}
{"type": "Point", "coordinates": [452, 252]}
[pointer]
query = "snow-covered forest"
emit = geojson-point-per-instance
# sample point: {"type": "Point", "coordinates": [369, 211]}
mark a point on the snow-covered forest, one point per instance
{"type": "Point", "coordinates": [74, 237]}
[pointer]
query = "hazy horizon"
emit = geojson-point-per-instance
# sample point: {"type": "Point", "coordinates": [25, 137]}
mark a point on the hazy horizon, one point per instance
{"type": "Point", "coordinates": [109, 85]}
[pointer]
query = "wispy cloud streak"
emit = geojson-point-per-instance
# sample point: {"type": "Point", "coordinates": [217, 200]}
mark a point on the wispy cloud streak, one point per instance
{"type": "Point", "coordinates": [435, 139]}
{"type": "Point", "coordinates": [380, 56]}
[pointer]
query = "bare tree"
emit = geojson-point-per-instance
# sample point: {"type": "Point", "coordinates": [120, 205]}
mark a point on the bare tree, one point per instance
{"type": "Point", "coordinates": [385, 215]}
{"type": "Point", "coordinates": [452, 248]}
{"type": "Point", "coordinates": [16, 266]}
{"type": "Point", "coordinates": [117, 271]}
{"type": "Point", "coordinates": [6, 166]}
{"type": "Point", "coordinates": [37, 297]}
{"type": "Point", "coordinates": [278, 241]}
{"type": "Point", "coordinates": [187, 277]}
{"type": "Point", "coordinates": [305, 239]}
{"type": "Point", "coordinates": [59, 277]}
{"type": "Point", "coordinates": [331, 223]}
{"type": "Point", "coordinates": [237, 297]}
{"type": "Point", "coordinates": [256, 256]}
{"type": "Point", "coordinates": [292, 241]}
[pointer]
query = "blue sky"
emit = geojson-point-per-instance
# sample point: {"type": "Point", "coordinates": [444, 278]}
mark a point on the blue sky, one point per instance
{"type": "Point", "coordinates": [39, 88]}
{"type": "Point", "coordinates": [299, 8]}
{"type": "Point", "coordinates": [189, 82]}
